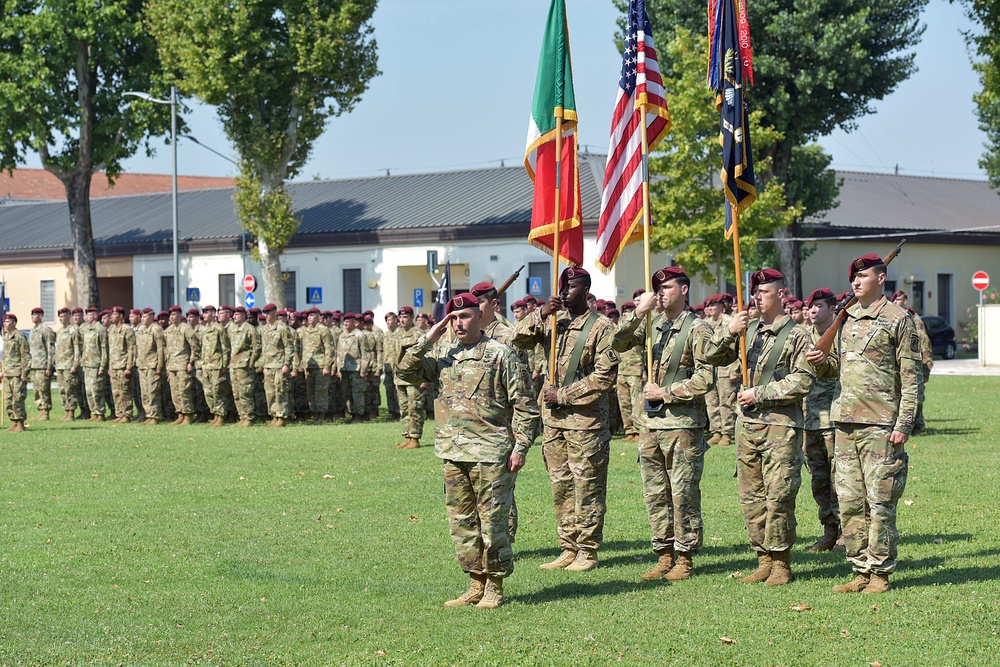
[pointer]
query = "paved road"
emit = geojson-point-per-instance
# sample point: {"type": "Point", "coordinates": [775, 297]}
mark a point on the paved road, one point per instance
{"type": "Point", "coordinates": [962, 367]}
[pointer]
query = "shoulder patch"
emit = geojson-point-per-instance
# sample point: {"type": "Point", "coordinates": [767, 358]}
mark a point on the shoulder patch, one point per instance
{"type": "Point", "coordinates": [914, 343]}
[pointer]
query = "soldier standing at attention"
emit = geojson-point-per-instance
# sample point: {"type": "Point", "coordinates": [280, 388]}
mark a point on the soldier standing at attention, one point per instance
{"type": "Point", "coordinates": [351, 368]}
{"type": "Point", "coordinates": [482, 447]}
{"type": "Point", "coordinates": [819, 430]}
{"type": "Point", "coordinates": [878, 357]}
{"type": "Point", "coordinates": [16, 365]}
{"type": "Point", "coordinates": [721, 399]}
{"type": "Point", "coordinates": [372, 348]}
{"type": "Point", "coordinates": [69, 352]}
{"type": "Point", "coordinates": [769, 426]}
{"type": "Point", "coordinates": [277, 361]}
{"type": "Point", "coordinates": [335, 404]}
{"type": "Point", "coordinates": [411, 404]}
{"type": "Point", "coordinates": [244, 344]}
{"type": "Point", "coordinates": [672, 437]}
{"type": "Point", "coordinates": [318, 359]}
{"type": "Point", "coordinates": [197, 383]}
{"type": "Point", "coordinates": [79, 322]}
{"type": "Point", "coordinates": [575, 438]}
{"type": "Point", "coordinates": [629, 385]}
{"type": "Point", "coordinates": [182, 355]}
{"type": "Point", "coordinates": [134, 320]}
{"type": "Point", "coordinates": [900, 299]}
{"type": "Point", "coordinates": [151, 355]}
{"type": "Point", "coordinates": [390, 354]}
{"type": "Point", "coordinates": [121, 362]}
{"type": "Point", "coordinates": [214, 365]}
{"type": "Point", "coordinates": [225, 318]}
{"type": "Point", "coordinates": [95, 363]}
{"type": "Point", "coordinates": [42, 343]}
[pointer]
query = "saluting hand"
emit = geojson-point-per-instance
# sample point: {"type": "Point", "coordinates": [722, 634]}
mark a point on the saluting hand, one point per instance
{"type": "Point", "coordinates": [435, 332]}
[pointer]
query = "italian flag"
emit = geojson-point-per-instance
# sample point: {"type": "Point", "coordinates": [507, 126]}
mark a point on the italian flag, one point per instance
{"type": "Point", "coordinates": [555, 175]}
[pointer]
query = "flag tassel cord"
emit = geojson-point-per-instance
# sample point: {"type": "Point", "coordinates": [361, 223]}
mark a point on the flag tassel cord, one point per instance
{"type": "Point", "coordinates": [739, 294]}
{"type": "Point", "coordinates": [646, 223]}
{"type": "Point", "coordinates": [553, 379]}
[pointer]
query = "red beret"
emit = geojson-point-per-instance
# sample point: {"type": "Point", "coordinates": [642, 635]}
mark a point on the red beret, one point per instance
{"type": "Point", "coordinates": [254, 311]}
{"type": "Point", "coordinates": [763, 277]}
{"type": "Point", "coordinates": [463, 300]}
{"type": "Point", "coordinates": [193, 312]}
{"type": "Point", "coordinates": [77, 310]}
{"type": "Point", "coordinates": [388, 314]}
{"type": "Point", "coordinates": [628, 304]}
{"type": "Point", "coordinates": [797, 305]}
{"type": "Point", "coordinates": [63, 310]}
{"type": "Point", "coordinates": [818, 295]}
{"type": "Point", "coordinates": [226, 309]}
{"type": "Point", "coordinates": [37, 311]}
{"type": "Point", "coordinates": [175, 309]}
{"type": "Point", "coordinates": [699, 307]}
{"type": "Point", "coordinates": [368, 319]}
{"type": "Point", "coordinates": [135, 311]}
{"type": "Point", "coordinates": [270, 307]}
{"type": "Point", "coordinates": [10, 316]}
{"type": "Point", "coordinates": [406, 310]}
{"type": "Point", "coordinates": [638, 292]}
{"type": "Point", "coordinates": [239, 309]}
{"type": "Point", "coordinates": [205, 309]}
{"type": "Point", "coordinates": [106, 311]}
{"type": "Point", "coordinates": [350, 316]}
{"type": "Point", "coordinates": [611, 304]}
{"type": "Point", "coordinates": [530, 299]}
{"type": "Point", "coordinates": [665, 274]}
{"type": "Point", "coordinates": [281, 313]}
{"type": "Point", "coordinates": [313, 311]}
{"type": "Point", "coordinates": [864, 262]}
{"type": "Point", "coordinates": [338, 312]}
{"type": "Point", "coordinates": [726, 296]}
{"type": "Point", "coordinates": [162, 315]}
{"type": "Point", "coordinates": [93, 309]}
{"type": "Point", "coordinates": [118, 309]}
{"type": "Point", "coordinates": [369, 312]}
{"type": "Point", "coordinates": [327, 313]}
{"type": "Point", "coordinates": [148, 310]}
{"type": "Point", "coordinates": [715, 298]}
{"type": "Point", "coordinates": [601, 303]}
{"type": "Point", "coordinates": [518, 304]}
{"type": "Point", "coordinates": [898, 293]}
{"type": "Point", "coordinates": [612, 311]}
{"type": "Point", "coordinates": [572, 272]}
{"type": "Point", "coordinates": [482, 288]}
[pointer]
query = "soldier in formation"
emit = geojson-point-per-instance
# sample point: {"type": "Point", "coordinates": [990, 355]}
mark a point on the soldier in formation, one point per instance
{"type": "Point", "coordinates": [95, 363]}
{"type": "Point", "coordinates": [16, 368]}
{"type": "Point", "coordinates": [122, 353]}
{"type": "Point", "coordinates": [68, 359]}
{"type": "Point", "coordinates": [411, 395]}
{"type": "Point", "coordinates": [42, 344]}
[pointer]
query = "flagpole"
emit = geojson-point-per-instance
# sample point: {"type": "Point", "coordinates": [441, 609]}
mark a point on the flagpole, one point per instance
{"type": "Point", "coordinates": [646, 222]}
{"type": "Point", "coordinates": [739, 294]}
{"type": "Point", "coordinates": [553, 381]}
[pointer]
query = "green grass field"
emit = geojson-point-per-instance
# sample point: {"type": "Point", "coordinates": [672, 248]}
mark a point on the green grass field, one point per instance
{"type": "Point", "coordinates": [131, 545]}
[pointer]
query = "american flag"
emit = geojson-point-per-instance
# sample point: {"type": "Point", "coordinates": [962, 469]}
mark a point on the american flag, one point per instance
{"type": "Point", "coordinates": [625, 172]}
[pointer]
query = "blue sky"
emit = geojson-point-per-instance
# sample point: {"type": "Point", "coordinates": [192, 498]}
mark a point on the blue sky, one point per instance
{"type": "Point", "coordinates": [457, 95]}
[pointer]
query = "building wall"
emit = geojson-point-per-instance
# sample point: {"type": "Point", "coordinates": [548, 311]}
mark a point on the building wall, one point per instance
{"type": "Point", "coordinates": [24, 284]}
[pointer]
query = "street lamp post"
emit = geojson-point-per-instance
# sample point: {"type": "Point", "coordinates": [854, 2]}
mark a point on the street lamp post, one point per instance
{"type": "Point", "coordinates": [173, 194]}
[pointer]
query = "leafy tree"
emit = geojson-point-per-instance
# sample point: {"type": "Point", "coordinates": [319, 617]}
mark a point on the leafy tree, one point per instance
{"type": "Point", "coordinates": [276, 70]}
{"type": "Point", "coordinates": [818, 65]}
{"type": "Point", "coordinates": [64, 66]}
{"type": "Point", "coordinates": [986, 61]}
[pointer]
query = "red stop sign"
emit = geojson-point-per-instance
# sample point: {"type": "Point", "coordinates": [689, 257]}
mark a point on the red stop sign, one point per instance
{"type": "Point", "coordinates": [249, 283]}
{"type": "Point", "coordinates": [980, 280]}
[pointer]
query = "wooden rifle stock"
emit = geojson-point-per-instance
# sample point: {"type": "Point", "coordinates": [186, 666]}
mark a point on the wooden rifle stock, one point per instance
{"type": "Point", "coordinates": [510, 281]}
{"type": "Point", "coordinates": [825, 341]}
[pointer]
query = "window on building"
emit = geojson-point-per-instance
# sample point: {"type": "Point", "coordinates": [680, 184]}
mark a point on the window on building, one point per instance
{"type": "Point", "coordinates": [166, 292]}
{"type": "Point", "coordinates": [227, 289]}
{"type": "Point", "coordinates": [352, 290]}
{"type": "Point", "coordinates": [944, 297]}
{"type": "Point", "coordinates": [289, 278]}
{"type": "Point", "coordinates": [540, 275]}
{"type": "Point", "coordinates": [47, 300]}
{"type": "Point", "coordinates": [889, 288]}
{"type": "Point", "coordinates": [918, 297]}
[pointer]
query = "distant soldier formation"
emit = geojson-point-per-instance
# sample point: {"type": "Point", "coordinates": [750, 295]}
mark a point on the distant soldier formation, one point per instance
{"type": "Point", "coordinates": [846, 412]}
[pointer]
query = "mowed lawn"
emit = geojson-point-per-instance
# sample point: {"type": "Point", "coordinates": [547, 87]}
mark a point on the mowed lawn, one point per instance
{"type": "Point", "coordinates": [131, 545]}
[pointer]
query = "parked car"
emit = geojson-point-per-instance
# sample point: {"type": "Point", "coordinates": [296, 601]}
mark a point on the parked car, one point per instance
{"type": "Point", "coordinates": [942, 336]}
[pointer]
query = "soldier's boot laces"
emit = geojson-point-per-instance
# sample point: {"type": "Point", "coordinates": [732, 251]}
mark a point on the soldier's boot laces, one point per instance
{"type": "Point", "coordinates": [855, 585]}
{"type": "Point", "coordinates": [477, 587]}
{"type": "Point", "coordinates": [714, 440]}
{"type": "Point", "coordinates": [682, 569]}
{"type": "Point", "coordinates": [879, 583]}
{"type": "Point", "coordinates": [664, 561]}
{"type": "Point", "coordinates": [781, 568]}
{"type": "Point", "coordinates": [43, 415]}
{"type": "Point", "coordinates": [585, 561]}
{"type": "Point", "coordinates": [827, 542]}
{"type": "Point", "coordinates": [493, 597]}
{"type": "Point", "coordinates": [762, 572]}
{"type": "Point", "coordinates": [561, 561]}
{"type": "Point", "coordinates": [725, 441]}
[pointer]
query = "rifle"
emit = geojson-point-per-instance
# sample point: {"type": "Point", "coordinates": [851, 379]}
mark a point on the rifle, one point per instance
{"type": "Point", "coordinates": [825, 341]}
{"type": "Point", "coordinates": [510, 281]}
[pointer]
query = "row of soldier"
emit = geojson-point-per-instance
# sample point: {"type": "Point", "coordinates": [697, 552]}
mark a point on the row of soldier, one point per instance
{"type": "Point", "coordinates": [848, 411]}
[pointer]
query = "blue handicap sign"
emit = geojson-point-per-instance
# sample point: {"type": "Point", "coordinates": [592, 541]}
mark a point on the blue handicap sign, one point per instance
{"type": "Point", "coordinates": [314, 295]}
{"type": "Point", "coordinates": [535, 286]}
{"type": "Point", "coordinates": [249, 300]}
{"type": "Point", "coordinates": [418, 297]}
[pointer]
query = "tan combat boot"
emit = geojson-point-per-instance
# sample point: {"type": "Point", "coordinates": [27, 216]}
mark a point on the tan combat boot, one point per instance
{"type": "Point", "coordinates": [98, 418]}
{"type": "Point", "coordinates": [68, 417]}
{"type": "Point", "coordinates": [411, 443]}
{"type": "Point", "coordinates": [561, 561]}
{"type": "Point", "coordinates": [725, 441]}
{"type": "Point", "coordinates": [855, 585]}
{"type": "Point", "coordinates": [682, 569]}
{"type": "Point", "coordinates": [879, 583]}
{"type": "Point", "coordinates": [493, 597]}
{"type": "Point", "coordinates": [827, 542]}
{"type": "Point", "coordinates": [16, 426]}
{"type": "Point", "coordinates": [176, 422]}
{"type": "Point", "coordinates": [841, 545]}
{"type": "Point", "coordinates": [185, 420]}
{"type": "Point", "coordinates": [279, 422]}
{"type": "Point", "coordinates": [664, 561]}
{"type": "Point", "coordinates": [585, 561]}
{"type": "Point", "coordinates": [714, 440]}
{"type": "Point", "coordinates": [402, 445]}
{"type": "Point", "coordinates": [151, 422]}
{"type": "Point", "coordinates": [218, 421]}
{"type": "Point", "coordinates": [244, 423]}
{"type": "Point", "coordinates": [477, 587]}
{"type": "Point", "coordinates": [781, 568]}
{"type": "Point", "coordinates": [762, 572]}
{"type": "Point", "coordinates": [43, 415]}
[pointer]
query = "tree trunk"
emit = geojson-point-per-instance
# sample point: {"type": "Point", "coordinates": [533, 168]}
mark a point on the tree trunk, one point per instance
{"type": "Point", "coordinates": [274, 286]}
{"type": "Point", "coordinates": [791, 263]}
{"type": "Point", "coordinates": [84, 262]}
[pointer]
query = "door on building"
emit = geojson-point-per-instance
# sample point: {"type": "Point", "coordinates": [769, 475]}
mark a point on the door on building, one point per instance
{"type": "Point", "coordinates": [944, 284]}
{"type": "Point", "coordinates": [918, 297]}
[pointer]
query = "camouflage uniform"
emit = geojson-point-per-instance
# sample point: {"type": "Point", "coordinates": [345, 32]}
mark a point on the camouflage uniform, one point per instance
{"type": "Point", "coordinates": [769, 439]}
{"type": "Point", "coordinates": [244, 346]}
{"type": "Point", "coordinates": [335, 404]}
{"type": "Point", "coordinates": [298, 395]}
{"type": "Point", "coordinates": [878, 357]}
{"type": "Point", "coordinates": [121, 358]}
{"type": "Point", "coordinates": [42, 343]}
{"type": "Point", "coordinates": [95, 365]}
{"type": "Point", "coordinates": [351, 361]}
{"type": "Point", "coordinates": [629, 385]}
{"type": "Point", "coordinates": [150, 360]}
{"type": "Point", "coordinates": [411, 404]}
{"type": "Point", "coordinates": [819, 440]}
{"type": "Point", "coordinates": [183, 349]}
{"type": "Point", "coordinates": [214, 366]}
{"type": "Point", "coordinates": [721, 400]}
{"type": "Point", "coordinates": [672, 443]}
{"type": "Point", "coordinates": [484, 413]}
{"type": "Point", "coordinates": [16, 365]}
{"type": "Point", "coordinates": [68, 355]}
{"type": "Point", "coordinates": [372, 343]}
{"type": "Point", "coordinates": [318, 358]}
{"type": "Point", "coordinates": [198, 378]}
{"type": "Point", "coordinates": [575, 438]}
{"type": "Point", "coordinates": [927, 363]}
{"type": "Point", "coordinates": [277, 350]}
{"type": "Point", "coordinates": [390, 353]}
